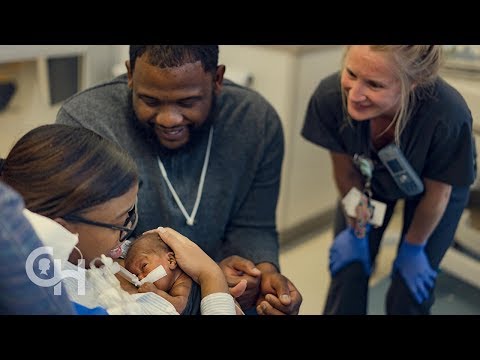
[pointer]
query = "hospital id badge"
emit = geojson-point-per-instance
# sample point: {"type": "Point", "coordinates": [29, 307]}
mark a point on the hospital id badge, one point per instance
{"type": "Point", "coordinates": [351, 200]}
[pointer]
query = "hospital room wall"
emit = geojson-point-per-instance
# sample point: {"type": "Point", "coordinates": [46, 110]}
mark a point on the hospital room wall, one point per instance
{"type": "Point", "coordinates": [273, 77]}
{"type": "Point", "coordinates": [285, 78]}
{"type": "Point", "coordinates": [470, 90]}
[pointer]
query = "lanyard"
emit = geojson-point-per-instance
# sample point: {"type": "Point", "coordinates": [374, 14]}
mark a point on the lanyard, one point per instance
{"type": "Point", "coordinates": [190, 218]}
{"type": "Point", "coordinates": [364, 209]}
{"type": "Point", "coordinates": [365, 165]}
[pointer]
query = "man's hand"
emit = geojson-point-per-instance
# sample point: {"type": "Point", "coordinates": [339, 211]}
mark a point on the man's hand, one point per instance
{"type": "Point", "coordinates": [236, 292]}
{"type": "Point", "coordinates": [278, 296]}
{"type": "Point", "coordinates": [235, 269]}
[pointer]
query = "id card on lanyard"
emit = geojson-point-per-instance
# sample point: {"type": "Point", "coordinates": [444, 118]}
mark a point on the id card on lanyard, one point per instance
{"type": "Point", "coordinates": [360, 205]}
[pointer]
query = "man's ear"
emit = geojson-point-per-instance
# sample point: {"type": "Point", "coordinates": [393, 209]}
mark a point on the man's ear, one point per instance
{"type": "Point", "coordinates": [218, 80]}
{"type": "Point", "coordinates": [172, 262]}
{"type": "Point", "coordinates": [129, 73]}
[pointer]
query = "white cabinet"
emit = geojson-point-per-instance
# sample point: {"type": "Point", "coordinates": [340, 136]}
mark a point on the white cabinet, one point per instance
{"type": "Point", "coordinates": [95, 63]}
{"type": "Point", "coordinates": [27, 66]}
{"type": "Point", "coordinates": [14, 53]}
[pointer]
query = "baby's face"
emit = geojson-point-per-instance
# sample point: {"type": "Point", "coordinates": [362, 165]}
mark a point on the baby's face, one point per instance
{"type": "Point", "coordinates": [141, 263]}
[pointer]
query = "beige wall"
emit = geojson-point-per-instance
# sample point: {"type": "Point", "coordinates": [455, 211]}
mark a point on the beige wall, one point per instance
{"type": "Point", "coordinates": [287, 76]}
{"type": "Point", "coordinates": [28, 108]}
{"type": "Point", "coordinates": [284, 75]}
{"type": "Point", "coordinates": [312, 188]}
{"type": "Point", "coordinates": [274, 78]}
{"type": "Point", "coordinates": [470, 90]}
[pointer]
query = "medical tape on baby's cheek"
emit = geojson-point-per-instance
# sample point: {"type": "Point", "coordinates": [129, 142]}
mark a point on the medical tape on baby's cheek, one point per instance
{"type": "Point", "coordinates": [154, 275]}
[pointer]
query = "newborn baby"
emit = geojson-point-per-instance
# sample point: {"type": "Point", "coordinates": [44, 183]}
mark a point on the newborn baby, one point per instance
{"type": "Point", "coordinates": [148, 252]}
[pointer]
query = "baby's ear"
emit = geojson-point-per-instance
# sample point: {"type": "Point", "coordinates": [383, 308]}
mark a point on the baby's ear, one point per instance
{"type": "Point", "coordinates": [172, 262]}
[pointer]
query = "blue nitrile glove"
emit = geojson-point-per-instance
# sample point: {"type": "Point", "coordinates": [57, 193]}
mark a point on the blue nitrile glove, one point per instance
{"type": "Point", "coordinates": [412, 264]}
{"type": "Point", "coordinates": [348, 248]}
{"type": "Point", "coordinates": [83, 310]}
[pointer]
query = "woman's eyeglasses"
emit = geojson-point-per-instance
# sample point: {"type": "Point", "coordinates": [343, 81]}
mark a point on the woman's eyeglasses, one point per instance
{"type": "Point", "coordinates": [125, 230]}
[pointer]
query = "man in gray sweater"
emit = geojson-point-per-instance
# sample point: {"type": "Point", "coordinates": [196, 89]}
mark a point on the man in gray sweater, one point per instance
{"type": "Point", "coordinates": [210, 155]}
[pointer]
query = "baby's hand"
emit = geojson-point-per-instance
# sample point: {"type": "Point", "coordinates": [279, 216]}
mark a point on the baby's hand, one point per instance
{"type": "Point", "coordinates": [179, 302]}
{"type": "Point", "coordinates": [150, 287]}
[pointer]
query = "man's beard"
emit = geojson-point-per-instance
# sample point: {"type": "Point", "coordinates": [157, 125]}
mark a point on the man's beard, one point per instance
{"type": "Point", "coordinates": [196, 132]}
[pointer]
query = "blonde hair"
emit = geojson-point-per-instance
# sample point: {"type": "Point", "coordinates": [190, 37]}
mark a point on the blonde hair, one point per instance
{"type": "Point", "coordinates": [416, 68]}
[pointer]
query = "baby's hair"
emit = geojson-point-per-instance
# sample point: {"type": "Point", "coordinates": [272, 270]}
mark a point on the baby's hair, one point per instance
{"type": "Point", "coordinates": [154, 241]}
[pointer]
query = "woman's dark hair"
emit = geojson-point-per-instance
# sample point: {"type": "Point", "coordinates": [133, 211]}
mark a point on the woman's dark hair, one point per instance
{"type": "Point", "coordinates": [61, 170]}
{"type": "Point", "coordinates": [167, 56]}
